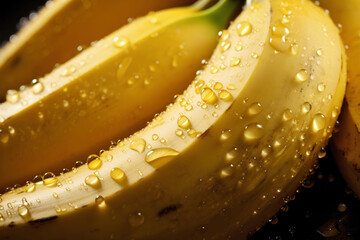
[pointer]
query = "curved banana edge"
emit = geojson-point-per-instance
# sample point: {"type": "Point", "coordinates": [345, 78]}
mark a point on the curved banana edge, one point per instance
{"type": "Point", "coordinates": [107, 92]}
{"type": "Point", "coordinates": [346, 143]}
{"type": "Point", "coordinates": [263, 109]}
{"type": "Point", "coordinates": [55, 33]}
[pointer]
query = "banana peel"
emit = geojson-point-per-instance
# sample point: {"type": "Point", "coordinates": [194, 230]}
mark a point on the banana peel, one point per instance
{"type": "Point", "coordinates": [106, 92]}
{"type": "Point", "coordinates": [54, 35]}
{"type": "Point", "coordinates": [346, 142]}
{"type": "Point", "coordinates": [263, 108]}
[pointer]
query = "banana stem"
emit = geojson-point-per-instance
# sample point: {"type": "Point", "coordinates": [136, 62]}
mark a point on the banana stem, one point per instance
{"type": "Point", "coordinates": [220, 13]}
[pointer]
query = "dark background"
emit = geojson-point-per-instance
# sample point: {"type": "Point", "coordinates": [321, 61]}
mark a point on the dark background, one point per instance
{"type": "Point", "coordinates": [324, 207]}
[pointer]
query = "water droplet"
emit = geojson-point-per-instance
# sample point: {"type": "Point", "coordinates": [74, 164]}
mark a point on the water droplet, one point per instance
{"type": "Point", "coordinates": [279, 43]}
{"type": "Point", "coordinates": [30, 187]}
{"type": "Point", "coordinates": [218, 86]}
{"type": "Point", "coordinates": [235, 61]}
{"type": "Point", "coordinates": [138, 145]}
{"type": "Point", "coordinates": [2, 119]}
{"type": "Point", "coordinates": [12, 96]}
{"type": "Point", "coordinates": [2, 219]}
{"type": "Point", "coordinates": [341, 207]}
{"type": "Point", "coordinates": [208, 96]}
{"type": "Point", "coordinates": [68, 71]}
{"type": "Point", "coordinates": [231, 155]}
{"type": "Point", "coordinates": [280, 30]}
{"type": "Point", "coordinates": [319, 52]}
{"type": "Point", "coordinates": [225, 135]}
{"type": "Point", "coordinates": [106, 156]}
{"type": "Point", "coordinates": [321, 87]}
{"type": "Point", "coordinates": [118, 175]}
{"type": "Point", "coordinates": [244, 28]}
{"type": "Point", "coordinates": [136, 219]}
{"type": "Point", "coordinates": [287, 115]}
{"type": "Point", "coordinates": [188, 107]}
{"type": "Point", "coordinates": [4, 136]}
{"type": "Point", "coordinates": [224, 45]}
{"type": "Point", "coordinates": [184, 122]}
{"type": "Point", "coordinates": [322, 153]}
{"type": "Point", "coordinates": [155, 137]}
{"type": "Point", "coordinates": [24, 212]}
{"type": "Point", "coordinates": [213, 69]}
{"type": "Point", "coordinates": [226, 172]}
{"type": "Point", "coordinates": [302, 76]}
{"type": "Point", "coordinates": [305, 107]}
{"type": "Point", "coordinates": [120, 42]}
{"type": "Point", "coordinates": [158, 157]}
{"type": "Point", "coordinates": [93, 162]}
{"type": "Point", "coordinates": [100, 201]}
{"type": "Point", "coordinates": [38, 179]}
{"type": "Point", "coordinates": [49, 179]}
{"type": "Point", "coordinates": [254, 109]}
{"type": "Point", "coordinates": [93, 181]}
{"type": "Point", "coordinates": [225, 95]}
{"type": "Point", "coordinates": [318, 122]}
{"type": "Point", "coordinates": [37, 88]}
{"type": "Point", "coordinates": [179, 133]}
{"type": "Point", "coordinates": [266, 151]}
{"type": "Point", "coordinates": [253, 131]}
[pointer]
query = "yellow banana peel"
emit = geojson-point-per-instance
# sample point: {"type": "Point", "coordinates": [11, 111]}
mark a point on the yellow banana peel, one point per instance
{"type": "Point", "coordinates": [346, 143]}
{"type": "Point", "coordinates": [261, 110]}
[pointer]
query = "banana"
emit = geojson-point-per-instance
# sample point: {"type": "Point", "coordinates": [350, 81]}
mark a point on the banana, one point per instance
{"type": "Point", "coordinates": [346, 143]}
{"type": "Point", "coordinates": [262, 109]}
{"type": "Point", "coordinates": [106, 92]}
{"type": "Point", "coordinates": [52, 37]}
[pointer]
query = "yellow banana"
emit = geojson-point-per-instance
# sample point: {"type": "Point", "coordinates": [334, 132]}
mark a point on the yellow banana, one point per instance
{"type": "Point", "coordinates": [106, 92]}
{"type": "Point", "coordinates": [346, 143]}
{"type": "Point", "coordinates": [262, 109]}
{"type": "Point", "coordinates": [53, 36]}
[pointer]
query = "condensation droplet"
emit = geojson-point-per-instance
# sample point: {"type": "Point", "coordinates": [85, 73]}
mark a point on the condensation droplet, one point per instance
{"type": "Point", "coordinates": [235, 61]}
{"type": "Point", "coordinates": [37, 88]}
{"type": "Point", "coordinates": [287, 115]}
{"type": "Point", "coordinates": [218, 86]}
{"type": "Point", "coordinates": [159, 156]}
{"type": "Point", "coordinates": [225, 135]}
{"type": "Point", "coordinates": [254, 109]}
{"type": "Point", "coordinates": [24, 212]}
{"type": "Point", "coordinates": [279, 43]}
{"type": "Point", "coordinates": [136, 219]}
{"type": "Point", "coordinates": [93, 162]}
{"type": "Point", "coordinates": [68, 71]}
{"type": "Point", "coordinates": [225, 96]}
{"type": "Point", "coordinates": [244, 28]}
{"type": "Point", "coordinates": [30, 187]}
{"type": "Point", "coordinates": [302, 76]}
{"type": "Point", "coordinates": [49, 179]}
{"type": "Point", "coordinates": [12, 96]}
{"type": "Point", "coordinates": [224, 45]}
{"type": "Point", "coordinates": [138, 145]}
{"type": "Point", "coordinates": [305, 107]}
{"type": "Point", "coordinates": [120, 42]}
{"type": "Point", "coordinates": [253, 131]}
{"type": "Point", "coordinates": [318, 122]}
{"type": "Point", "coordinates": [184, 122]}
{"type": "Point", "coordinates": [322, 153]}
{"type": "Point", "coordinates": [93, 181]}
{"type": "Point", "coordinates": [321, 87]}
{"type": "Point", "coordinates": [100, 201]}
{"type": "Point", "coordinates": [208, 96]}
{"type": "Point", "coordinates": [118, 175]}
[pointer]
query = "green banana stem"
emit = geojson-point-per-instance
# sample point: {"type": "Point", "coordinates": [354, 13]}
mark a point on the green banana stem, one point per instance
{"type": "Point", "coordinates": [219, 13]}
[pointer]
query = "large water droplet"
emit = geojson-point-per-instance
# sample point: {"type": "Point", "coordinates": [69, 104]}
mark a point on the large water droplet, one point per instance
{"type": "Point", "coordinates": [184, 122]}
{"type": "Point", "coordinates": [37, 88]}
{"type": "Point", "coordinates": [93, 181]}
{"type": "Point", "coordinates": [318, 122]}
{"type": "Point", "coordinates": [12, 96]}
{"type": "Point", "coordinates": [254, 109]}
{"type": "Point", "coordinates": [24, 212]}
{"type": "Point", "coordinates": [302, 76]}
{"type": "Point", "coordinates": [118, 175]}
{"type": "Point", "coordinates": [208, 96]}
{"type": "Point", "coordinates": [253, 131]}
{"type": "Point", "coordinates": [225, 95]}
{"type": "Point", "coordinates": [138, 145]}
{"type": "Point", "coordinates": [244, 28]}
{"type": "Point", "coordinates": [159, 156]}
{"type": "Point", "coordinates": [49, 179]}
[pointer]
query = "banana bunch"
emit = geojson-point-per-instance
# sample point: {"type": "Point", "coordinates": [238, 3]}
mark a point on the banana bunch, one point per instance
{"type": "Point", "coordinates": [221, 159]}
{"type": "Point", "coordinates": [346, 143]}
{"type": "Point", "coordinates": [60, 30]}
{"type": "Point", "coordinates": [122, 81]}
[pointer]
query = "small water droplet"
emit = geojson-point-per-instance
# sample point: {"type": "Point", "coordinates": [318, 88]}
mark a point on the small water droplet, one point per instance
{"type": "Point", "coordinates": [93, 162]}
{"type": "Point", "coordinates": [321, 87]}
{"type": "Point", "coordinates": [254, 109]}
{"type": "Point", "coordinates": [244, 28]}
{"type": "Point", "coordinates": [218, 86]}
{"type": "Point", "coordinates": [120, 42]}
{"type": "Point", "coordinates": [319, 52]}
{"type": "Point", "coordinates": [341, 207]}
{"type": "Point", "coordinates": [208, 96]}
{"type": "Point", "coordinates": [231, 155]}
{"type": "Point", "coordinates": [226, 172]}
{"type": "Point", "coordinates": [184, 122]}
{"type": "Point", "coordinates": [100, 201]}
{"type": "Point", "coordinates": [93, 181]}
{"type": "Point", "coordinates": [225, 95]}
{"type": "Point", "coordinates": [225, 135]}
{"type": "Point", "coordinates": [12, 96]}
{"type": "Point", "coordinates": [68, 71]}
{"type": "Point", "coordinates": [118, 175]}
{"type": "Point", "coordinates": [159, 156]}
{"type": "Point", "coordinates": [253, 131]}
{"type": "Point", "coordinates": [155, 137]}
{"type": "Point", "coordinates": [287, 115]}
{"type": "Point", "coordinates": [4, 136]}
{"type": "Point", "coordinates": [24, 212]}
{"type": "Point", "coordinates": [318, 122]}
{"type": "Point", "coordinates": [138, 145]}
{"type": "Point", "coordinates": [224, 45]}
{"type": "Point", "coordinates": [30, 187]}
{"type": "Point", "coordinates": [213, 69]}
{"type": "Point", "coordinates": [136, 219]}
{"type": "Point", "coordinates": [49, 179]}
{"type": "Point", "coordinates": [302, 76]}
{"type": "Point", "coordinates": [305, 107]}
{"type": "Point", "coordinates": [37, 88]}
{"type": "Point", "coordinates": [235, 61]}
{"type": "Point", "coordinates": [322, 153]}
